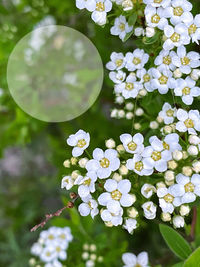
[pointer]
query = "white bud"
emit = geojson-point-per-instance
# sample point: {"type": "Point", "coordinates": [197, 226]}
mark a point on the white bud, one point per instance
{"type": "Point", "coordinates": [147, 190]}
{"type": "Point", "coordinates": [110, 143]}
{"type": "Point", "coordinates": [129, 115]}
{"type": "Point", "coordinates": [149, 209]}
{"type": "Point", "coordinates": [177, 73]}
{"type": "Point", "coordinates": [195, 74]}
{"type": "Point", "coordinates": [120, 148]}
{"type": "Point", "coordinates": [150, 32]}
{"type": "Point", "coordinates": [159, 119]}
{"type": "Point", "coordinates": [114, 113]}
{"type": "Point", "coordinates": [142, 92]}
{"type": "Point", "coordinates": [86, 247]}
{"type": "Point", "coordinates": [108, 224]}
{"type": "Point", "coordinates": [82, 162]}
{"type": "Point", "coordinates": [187, 171]}
{"type": "Point", "coordinates": [166, 217]}
{"type": "Point", "coordinates": [194, 140]}
{"type": "Point", "coordinates": [93, 257]}
{"type": "Point", "coordinates": [172, 164]}
{"type": "Point", "coordinates": [192, 150]}
{"type": "Point", "coordinates": [93, 247]}
{"type": "Point", "coordinates": [184, 210]}
{"type": "Point", "coordinates": [32, 261]}
{"type": "Point", "coordinates": [132, 212]}
{"type": "Point", "coordinates": [129, 106]}
{"type": "Point", "coordinates": [178, 221]}
{"type": "Point", "coordinates": [185, 154]}
{"type": "Point", "coordinates": [85, 255]}
{"type": "Point", "coordinates": [139, 112]}
{"type": "Point", "coordinates": [169, 176]}
{"type": "Point", "coordinates": [117, 177]}
{"type": "Point", "coordinates": [73, 160]}
{"type": "Point", "coordinates": [139, 31]}
{"type": "Point", "coordinates": [196, 166]}
{"type": "Point", "coordinates": [89, 263]}
{"type": "Point", "coordinates": [119, 99]}
{"type": "Point", "coordinates": [127, 5]}
{"type": "Point", "coordinates": [137, 126]}
{"type": "Point", "coordinates": [75, 174]}
{"type": "Point", "coordinates": [123, 170]}
{"type": "Point", "coordinates": [100, 259]}
{"type": "Point", "coordinates": [153, 125]}
{"type": "Point", "coordinates": [160, 185]}
{"type": "Point", "coordinates": [177, 155]}
{"type": "Point", "coordinates": [66, 163]}
{"type": "Point", "coordinates": [121, 113]}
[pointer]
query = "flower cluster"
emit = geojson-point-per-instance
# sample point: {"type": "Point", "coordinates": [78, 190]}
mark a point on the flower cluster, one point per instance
{"type": "Point", "coordinates": [51, 247]}
{"type": "Point", "coordinates": [131, 260]}
{"type": "Point", "coordinates": [90, 256]}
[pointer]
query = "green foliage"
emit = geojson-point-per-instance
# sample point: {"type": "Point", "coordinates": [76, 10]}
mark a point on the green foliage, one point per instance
{"type": "Point", "coordinates": [194, 259]}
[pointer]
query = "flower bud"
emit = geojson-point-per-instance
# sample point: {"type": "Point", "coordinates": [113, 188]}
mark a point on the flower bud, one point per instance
{"type": "Point", "coordinates": [82, 162]}
{"type": "Point", "coordinates": [184, 210]}
{"type": "Point", "coordinates": [127, 5]}
{"type": "Point", "coordinates": [123, 170]}
{"type": "Point", "coordinates": [66, 163]}
{"type": "Point", "coordinates": [195, 74]}
{"type": "Point", "coordinates": [160, 185]}
{"type": "Point", "coordinates": [185, 154]}
{"type": "Point", "coordinates": [187, 171]}
{"type": "Point", "coordinates": [85, 255]}
{"type": "Point", "coordinates": [159, 119]}
{"type": "Point", "coordinates": [74, 160]}
{"type": "Point", "coordinates": [129, 106]}
{"type": "Point", "coordinates": [169, 176]}
{"type": "Point", "coordinates": [129, 115]}
{"type": "Point", "coordinates": [119, 100]}
{"type": "Point", "coordinates": [110, 143]}
{"type": "Point", "coordinates": [142, 92]}
{"type": "Point", "coordinates": [132, 212]}
{"type": "Point", "coordinates": [108, 224]}
{"type": "Point", "coordinates": [172, 164]}
{"type": "Point", "coordinates": [120, 148]}
{"type": "Point", "coordinates": [117, 177]}
{"type": "Point", "coordinates": [166, 217]}
{"type": "Point", "coordinates": [194, 140]}
{"type": "Point", "coordinates": [150, 32]}
{"type": "Point", "coordinates": [137, 126]}
{"type": "Point", "coordinates": [114, 113]}
{"type": "Point", "coordinates": [192, 150]}
{"type": "Point", "coordinates": [167, 129]}
{"type": "Point", "coordinates": [178, 221]}
{"type": "Point", "coordinates": [196, 166]}
{"type": "Point", "coordinates": [93, 257]}
{"type": "Point", "coordinates": [100, 259]}
{"type": "Point", "coordinates": [86, 246]}
{"type": "Point", "coordinates": [177, 73]}
{"type": "Point", "coordinates": [139, 112]}
{"type": "Point", "coordinates": [75, 174]}
{"type": "Point", "coordinates": [153, 125]}
{"type": "Point", "coordinates": [121, 113]}
{"type": "Point", "coordinates": [139, 31]}
{"type": "Point", "coordinates": [93, 247]}
{"type": "Point", "coordinates": [177, 155]}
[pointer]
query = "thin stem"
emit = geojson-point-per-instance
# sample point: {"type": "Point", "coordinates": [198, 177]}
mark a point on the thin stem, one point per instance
{"type": "Point", "coordinates": [194, 220]}
{"type": "Point", "coordinates": [86, 151]}
{"type": "Point", "coordinates": [134, 116]}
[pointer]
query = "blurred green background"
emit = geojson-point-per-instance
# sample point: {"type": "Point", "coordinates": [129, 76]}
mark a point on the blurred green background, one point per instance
{"type": "Point", "coordinates": [32, 152]}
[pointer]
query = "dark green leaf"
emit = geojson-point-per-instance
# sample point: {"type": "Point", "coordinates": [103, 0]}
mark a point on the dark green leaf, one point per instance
{"type": "Point", "coordinates": [194, 259]}
{"type": "Point", "coordinates": [132, 19]}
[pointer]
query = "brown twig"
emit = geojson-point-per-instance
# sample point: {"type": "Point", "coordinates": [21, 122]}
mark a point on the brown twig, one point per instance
{"type": "Point", "coordinates": [194, 220]}
{"type": "Point", "coordinates": [69, 205]}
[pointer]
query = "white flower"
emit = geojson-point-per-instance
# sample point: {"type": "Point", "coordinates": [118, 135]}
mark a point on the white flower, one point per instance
{"type": "Point", "coordinates": [130, 260]}
{"type": "Point", "coordinates": [104, 162]}
{"type": "Point", "coordinates": [54, 263]}
{"type": "Point", "coordinates": [187, 189]}
{"type": "Point", "coordinates": [36, 249]}
{"type": "Point", "coordinates": [87, 184]}
{"type": "Point", "coordinates": [139, 31]}
{"type": "Point", "coordinates": [188, 121]}
{"type": "Point", "coordinates": [127, 5]}
{"type": "Point", "coordinates": [60, 249]}
{"type": "Point", "coordinates": [121, 27]}
{"type": "Point", "coordinates": [80, 141]}
{"type": "Point", "coordinates": [117, 193]}
{"type": "Point", "coordinates": [89, 206]}
{"type": "Point", "coordinates": [81, 4]}
{"type": "Point", "coordinates": [150, 32]}
{"type": "Point", "coordinates": [187, 90]}
{"type": "Point", "coordinates": [165, 59]}
{"type": "Point", "coordinates": [130, 88]}
{"type": "Point", "coordinates": [113, 214]}
{"type": "Point", "coordinates": [117, 61]}
{"type": "Point", "coordinates": [194, 29]}
{"type": "Point", "coordinates": [156, 17]}
{"type": "Point", "coordinates": [149, 209]}
{"type": "Point", "coordinates": [130, 225]}
{"type": "Point", "coordinates": [167, 200]}
{"type": "Point", "coordinates": [167, 113]}
{"type": "Point", "coordinates": [171, 142]}
{"type": "Point", "coordinates": [156, 155]}
{"type": "Point", "coordinates": [136, 60]}
{"type": "Point", "coordinates": [99, 9]}
{"type": "Point", "coordinates": [117, 77]}
{"type": "Point", "coordinates": [90, 263]}
{"type": "Point", "coordinates": [185, 61]}
{"type": "Point", "coordinates": [176, 36]}
{"type": "Point", "coordinates": [138, 165]}
{"type": "Point", "coordinates": [178, 221]}
{"type": "Point", "coordinates": [180, 11]}
{"type": "Point", "coordinates": [147, 190]}
{"type": "Point", "coordinates": [67, 182]}
{"type": "Point", "coordinates": [133, 144]}
{"type": "Point", "coordinates": [48, 254]}
{"type": "Point", "coordinates": [145, 78]}
{"type": "Point", "coordinates": [162, 79]}
{"type": "Point", "coordinates": [160, 3]}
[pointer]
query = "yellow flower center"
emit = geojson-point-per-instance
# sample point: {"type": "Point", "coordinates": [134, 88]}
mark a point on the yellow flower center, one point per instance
{"type": "Point", "coordinates": [62, 236]}
{"type": "Point", "coordinates": [175, 37]}
{"type": "Point", "coordinates": [189, 187]}
{"type": "Point", "coordinates": [100, 6]}
{"type": "Point", "coordinates": [178, 11]}
{"type": "Point", "coordinates": [155, 18]}
{"type": "Point", "coordinates": [186, 91]}
{"type": "Point", "coordinates": [116, 195]}
{"type": "Point", "coordinates": [156, 155]}
{"type": "Point", "coordinates": [166, 146]}
{"type": "Point", "coordinates": [169, 198]}
{"type": "Point", "coordinates": [87, 182]}
{"type": "Point", "coordinates": [136, 60]}
{"type": "Point", "coordinates": [118, 62]}
{"type": "Point", "coordinates": [122, 27]}
{"type": "Point", "coordinates": [129, 86]}
{"type": "Point", "coordinates": [51, 237]}
{"type": "Point", "coordinates": [170, 113]}
{"type": "Point", "coordinates": [105, 163]}
{"type": "Point", "coordinates": [157, 1]}
{"type": "Point", "coordinates": [163, 79]}
{"type": "Point", "coordinates": [58, 249]}
{"type": "Point", "coordinates": [81, 143]}
{"type": "Point", "coordinates": [138, 265]}
{"type": "Point", "coordinates": [48, 254]}
{"type": "Point", "coordinates": [167, 60]}
{"type": "Point", "coordinates": [185, 61]}
{"type": "Point", "coordinates": [192, 29]}
{"type": "Point", "coordinates": [132, 146]}
{"type": "Point", "coordinates": [146, 78]}
{"type": "Point", "coordinates": [189, 123]}
{"type": "Point", "coordinates": [139, 166]}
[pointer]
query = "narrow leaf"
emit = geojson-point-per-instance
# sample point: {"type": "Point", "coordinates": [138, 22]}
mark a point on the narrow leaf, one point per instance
{"type": "Point", "coordinates": [132, 19]}
{"type": "Point", "coordinates": [175, 242]}
{"type": "Point", "coordinates": [194, 259]}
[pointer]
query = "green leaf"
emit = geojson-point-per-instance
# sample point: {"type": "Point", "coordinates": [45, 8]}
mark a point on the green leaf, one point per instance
{"type": "Point", "coordinates": [194, 259]}
{"type": "Point", "coordinates": [132, 19]}
{"type": "Point", "coordinates": [128, 35]}
{"type": "Point", "coordinates": [175, 242]}
{"type": "Point", "coordinates": [179, 264]}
